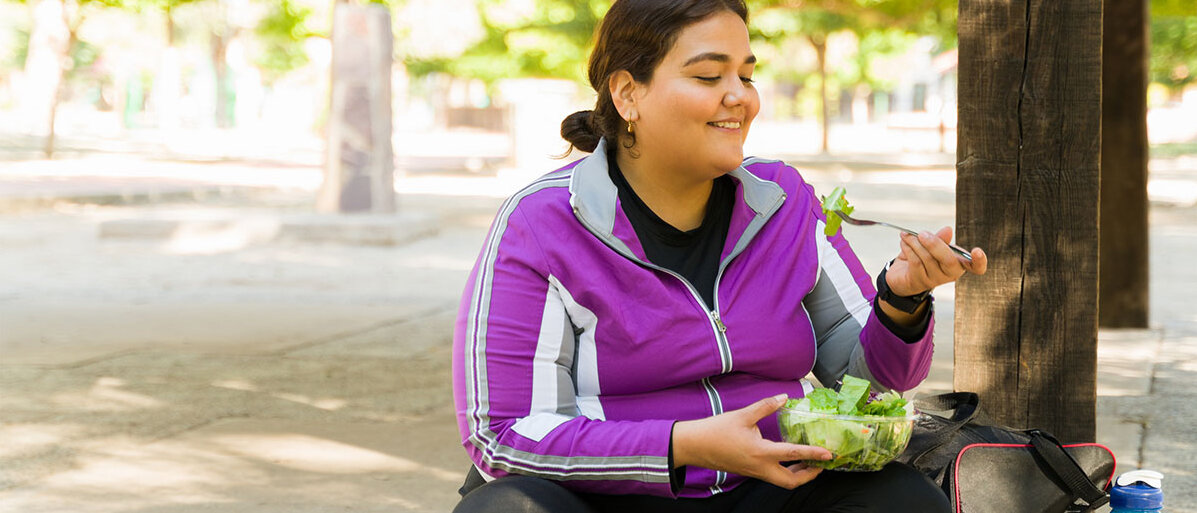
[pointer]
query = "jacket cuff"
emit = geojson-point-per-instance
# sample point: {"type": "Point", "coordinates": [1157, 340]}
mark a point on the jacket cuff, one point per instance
{"type": "Point", "coordinates": [677, 475]}
{"type": "Point", "coordinates": [894, 362]}
{"type": "Point", "coordinates": [908, 334]}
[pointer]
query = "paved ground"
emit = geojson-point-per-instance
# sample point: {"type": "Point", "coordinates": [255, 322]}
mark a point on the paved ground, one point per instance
{"type": "Point", "coordinates": [221, 367]}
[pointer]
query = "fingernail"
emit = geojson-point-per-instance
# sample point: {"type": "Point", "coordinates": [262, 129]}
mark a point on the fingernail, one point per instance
{"type": "Point", "coordinates": [780, 398]}
{"type": "Point", "coordinates": [925, 235]}
{"type": "Point", "coordinates": [828, 456]}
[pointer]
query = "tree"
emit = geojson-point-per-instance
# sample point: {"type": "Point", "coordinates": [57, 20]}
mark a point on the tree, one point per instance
{"type": "Point", "coordinates": [816, 20]}
{"type": "Point", "coordinates": [551, 39]}
{"type": "Point", "coordinates": [815, 25]}
{"type": "Point", "coordinates": [282, 32]}
{"type": "Point", "coordinates": [168, 85]}
{"type": "Point", "coordinates": [1173, 44]}
{"type": "Point", "coordinates": [52, 56]}
{"type": "Point", "coordinates": [55, 33]}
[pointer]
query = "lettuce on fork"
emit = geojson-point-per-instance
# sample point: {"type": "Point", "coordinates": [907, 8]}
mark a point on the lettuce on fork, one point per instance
{"type": "Point", "coordinates": [836, 201]}
{"type": "Point", "coordinates": [863, 431]}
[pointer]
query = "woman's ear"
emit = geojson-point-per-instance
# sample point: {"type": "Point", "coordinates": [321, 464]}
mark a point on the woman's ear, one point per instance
{"type": "Point", "coordinates": [623, 88]}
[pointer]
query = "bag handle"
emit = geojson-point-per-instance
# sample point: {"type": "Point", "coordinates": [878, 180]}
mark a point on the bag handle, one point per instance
{"type": "Point", "coordinates": [964, 407]}
{"type": "Point", "coordinates": [1067, 469]}
{"type": "Point", "coordinates": [959, 403]}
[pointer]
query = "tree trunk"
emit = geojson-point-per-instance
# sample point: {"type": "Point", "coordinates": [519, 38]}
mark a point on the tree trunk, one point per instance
{"type": "Point", "coordinates": [49, 47]}
{"type": "Point", "coordinates": [170, 25]}
{"type": "Point", "coordinates": [820, 44]}
{"type": "Point", "coordinates": [1123, 298]}
{"type": "Point", "coordinates": [48, 148]}
{"type": "Point", "coordinates": [220, 44]}
{"type": "Point", "coordinates": [1028, 161]}
{"type": "Point", "coordinates": [168, 84]}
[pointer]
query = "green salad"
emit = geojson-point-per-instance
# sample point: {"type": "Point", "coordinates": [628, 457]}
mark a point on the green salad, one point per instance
{"type": "Point", "coordinates": [836, 201]}
{"type": "Point", "coordinates": [863, 431]}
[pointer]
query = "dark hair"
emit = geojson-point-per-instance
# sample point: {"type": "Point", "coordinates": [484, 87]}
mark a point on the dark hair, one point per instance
{"type": "Point", "coordinates": [634, 35]}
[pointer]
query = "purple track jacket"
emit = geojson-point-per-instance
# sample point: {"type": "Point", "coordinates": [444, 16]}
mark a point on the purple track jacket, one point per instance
{"type": "Point", "coordinates": [574, 355]}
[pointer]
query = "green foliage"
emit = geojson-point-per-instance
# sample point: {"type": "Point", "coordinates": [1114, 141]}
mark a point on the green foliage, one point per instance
{"type": "Point", "coordinates": [1168, 8]}
{"type": "Point", "coordinates": [552, 40]}
{"type": "Point", "coordinates": [927, 17]}
{"type": "Point", "coordinates": [1175, 149]}
{"type": "Point", "coordinates": [882, 28]}
{"type": "Point", "coordinates": [874, 44]}
{"type": "Point", "coordinates": [83, 54]}
{"type": "Point", "coordinates": [1173, 47]}
{"type": "Point", "coordinates": [19, 50]}
{"type": "Point", "coordinates": [282, 32]}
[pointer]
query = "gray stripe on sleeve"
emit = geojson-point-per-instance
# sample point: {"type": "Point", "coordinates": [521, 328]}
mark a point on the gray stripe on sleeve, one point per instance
{"type": "Point", "coordinates": [837, 335]}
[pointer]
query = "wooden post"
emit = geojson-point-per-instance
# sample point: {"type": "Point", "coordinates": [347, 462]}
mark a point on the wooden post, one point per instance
{"type": "Point", "coordinates": [1123, 299]}
{"type": "Point", "coordinates": [359, 174]}
{"type": "Point", "coordinates": [1027, 188]}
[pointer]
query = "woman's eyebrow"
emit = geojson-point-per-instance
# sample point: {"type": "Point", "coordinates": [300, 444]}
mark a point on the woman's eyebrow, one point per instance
{"type": "Point", "coordinates": [717, 57]}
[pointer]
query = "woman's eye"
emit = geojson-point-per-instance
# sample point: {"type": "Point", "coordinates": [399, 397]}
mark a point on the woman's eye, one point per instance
{"type": "Point", "coordinates": [708, 79]}
{"type": "Point", "coordinates": [747, 80]}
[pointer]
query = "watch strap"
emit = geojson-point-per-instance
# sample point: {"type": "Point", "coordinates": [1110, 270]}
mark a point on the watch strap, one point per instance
{"type": "Point", "coordinates": [908, 304]}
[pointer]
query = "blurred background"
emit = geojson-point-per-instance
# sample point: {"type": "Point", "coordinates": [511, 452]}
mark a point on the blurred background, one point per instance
{"type": "Point", "coordinates": [182, 329]}
{"type": "Point", "coordinates": [478, 86]}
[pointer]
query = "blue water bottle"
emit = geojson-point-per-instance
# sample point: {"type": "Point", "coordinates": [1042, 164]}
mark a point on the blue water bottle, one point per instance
{"type": "Point", "coordinates": [1138, 491]}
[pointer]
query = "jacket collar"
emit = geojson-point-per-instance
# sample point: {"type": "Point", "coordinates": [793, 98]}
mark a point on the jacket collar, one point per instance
{"type": "Point", "coordinates": [594, 198]}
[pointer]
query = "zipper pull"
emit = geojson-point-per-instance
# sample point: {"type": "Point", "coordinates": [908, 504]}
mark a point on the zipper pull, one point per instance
{"type": "Point", "coordinates": [718, 321]}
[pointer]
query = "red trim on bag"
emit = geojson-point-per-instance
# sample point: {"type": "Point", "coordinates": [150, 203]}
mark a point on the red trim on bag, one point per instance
{"type": "Point", "coordinates": [956, 464]}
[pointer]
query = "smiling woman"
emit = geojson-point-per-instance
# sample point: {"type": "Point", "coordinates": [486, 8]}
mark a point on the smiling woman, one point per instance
{"type": "Point", "coordinates": [636, 318]}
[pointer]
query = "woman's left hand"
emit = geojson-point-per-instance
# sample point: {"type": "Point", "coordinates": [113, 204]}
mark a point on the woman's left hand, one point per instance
{"type": "Point", "coordinates": [927, 262]}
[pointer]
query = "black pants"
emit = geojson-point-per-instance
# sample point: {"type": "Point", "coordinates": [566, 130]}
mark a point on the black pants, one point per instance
{"type": "Point", "coordinates": [896, 488]}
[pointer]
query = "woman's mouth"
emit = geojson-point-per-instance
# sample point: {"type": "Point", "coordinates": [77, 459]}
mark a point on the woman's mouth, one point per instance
{"type": "Point", "coordinates": [727, 125]}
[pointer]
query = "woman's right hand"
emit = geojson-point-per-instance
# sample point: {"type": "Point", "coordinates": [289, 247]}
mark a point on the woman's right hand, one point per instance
{"type": "Point", "coordinates": [731, 442]}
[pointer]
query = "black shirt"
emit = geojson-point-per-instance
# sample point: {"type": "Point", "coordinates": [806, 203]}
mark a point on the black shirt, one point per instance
{"type": "Point", "coordinates": [693, 254]}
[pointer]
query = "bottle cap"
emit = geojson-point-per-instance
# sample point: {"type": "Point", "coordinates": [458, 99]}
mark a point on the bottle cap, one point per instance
{"type": "Point", "coordinates": [1148, 477]}
{"type": "Point", "coordinates": [1136, 496]}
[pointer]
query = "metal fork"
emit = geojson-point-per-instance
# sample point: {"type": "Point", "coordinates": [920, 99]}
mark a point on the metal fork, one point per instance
{"type": "Point", "coordinates": [865, 222]}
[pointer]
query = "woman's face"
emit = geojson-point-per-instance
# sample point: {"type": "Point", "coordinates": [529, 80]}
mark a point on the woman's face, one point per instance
{"type": "Point", "coordinates": [695, 112]}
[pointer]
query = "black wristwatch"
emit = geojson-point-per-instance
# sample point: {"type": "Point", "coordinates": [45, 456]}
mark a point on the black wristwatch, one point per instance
{"type": "Point", "coordinates": [908, 304]}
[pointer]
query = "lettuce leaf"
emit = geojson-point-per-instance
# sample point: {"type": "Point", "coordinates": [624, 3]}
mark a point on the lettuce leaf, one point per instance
{"type": "Point", "coordinates": [824, 400]}
{"type": "Point", "coordinates": [836, 201]}
{"type": "Point", "coordinates": [889, 404]}
{"type": "Point", "coordinates": [854, 393]}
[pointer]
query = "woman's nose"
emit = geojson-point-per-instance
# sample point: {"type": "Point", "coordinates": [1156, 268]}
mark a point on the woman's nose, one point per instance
{"type": "Point", "coordinates": [734, 95]}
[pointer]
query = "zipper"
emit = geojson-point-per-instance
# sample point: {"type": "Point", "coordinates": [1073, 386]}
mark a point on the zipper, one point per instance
{"type": "Point", "coordinates": [719, 322]}
{"type": "Point", "coordinates": [716, 408]}
{"type": "Point", "coordinates": [713, 317]}
{"type": "Point", "coordinates": [717, 326]}
{"type": "Point", "coordinates": [721, 336]}
{"type": "Point", "coordinates": [716, 322]}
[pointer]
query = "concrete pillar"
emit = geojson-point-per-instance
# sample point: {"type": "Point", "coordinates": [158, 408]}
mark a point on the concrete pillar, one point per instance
{"type": "Point", "coordinates": [359, 164]}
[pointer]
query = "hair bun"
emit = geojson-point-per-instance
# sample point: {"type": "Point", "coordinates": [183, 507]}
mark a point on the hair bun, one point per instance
{"type": "Point", "coordinates": [578, 129]}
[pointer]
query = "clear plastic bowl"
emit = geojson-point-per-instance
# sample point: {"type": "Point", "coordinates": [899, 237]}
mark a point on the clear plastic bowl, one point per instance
{"type": "Point", "coordinates": [857, 443]}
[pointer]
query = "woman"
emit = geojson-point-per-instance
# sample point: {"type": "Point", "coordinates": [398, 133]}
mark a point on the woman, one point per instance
{"type": "Point", "coordinates": [636, 318]}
